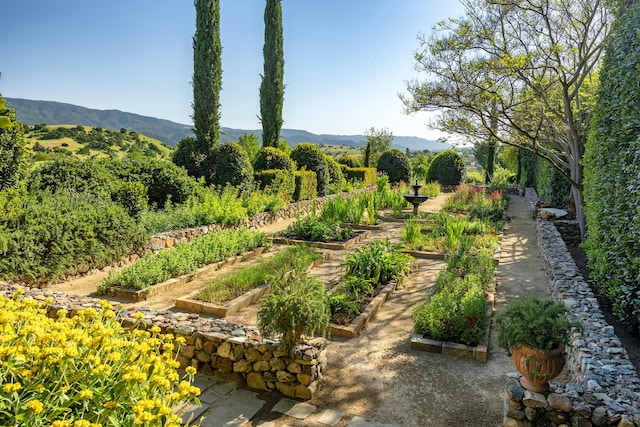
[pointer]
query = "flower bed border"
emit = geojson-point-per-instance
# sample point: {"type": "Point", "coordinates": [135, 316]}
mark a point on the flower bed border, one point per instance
{"type": "Point", "coordinates": [479, 352]}
{"type": "Point", "coordinates": [356, 325]}
{"type": "Point", "coordinates": [252, 296]}
{"type": "Point", "coordinates": [176, 282]}
{"type": "Point", "coordinates": [355, 226]}
{"type": "Point", "coordinates": [348, 244]}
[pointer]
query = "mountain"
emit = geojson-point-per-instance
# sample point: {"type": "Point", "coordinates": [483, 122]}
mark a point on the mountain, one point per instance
{"type": "Point", "coordinates": [32, 112]}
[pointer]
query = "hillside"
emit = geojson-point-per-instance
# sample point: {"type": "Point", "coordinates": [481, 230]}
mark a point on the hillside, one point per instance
{"type": "Point", "coordinates": [32, 112]}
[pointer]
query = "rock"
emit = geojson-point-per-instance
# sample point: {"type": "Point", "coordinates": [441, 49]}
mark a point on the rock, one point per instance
{"type": "Point", "coordinates": [255, 381]}
{"type": "Point", "coordinates": [224, 350]}
{"type": "Point", "coordinates": [294, 368]}
{"type": "Point", "coordinates": [188, 351]}
{"type": "Point", "coordinates": [599, 416]}
{"type": "Point", "coordinates": [203, 356]}
{"type": "Point", "coordinates": [303, 379]}
{"type": "Point", "coordinates": [277, 364]}
{"type": "Point", "coordinates": [261, 366]}
{"type": "Point", "coordinates": [288, 390]}
{"type": "Point", "coordinates": [285, 377]}
{"type": "Point", "coordinates": [559, 402]}
{"type": "Point", "coordinates": [242, 366]}
{"type": "Point", "coordinates": [252, 355]}
{"type": "Point", "coordinates": [534, 400]}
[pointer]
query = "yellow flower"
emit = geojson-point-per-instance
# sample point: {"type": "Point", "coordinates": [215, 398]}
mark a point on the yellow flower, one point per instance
{"type": "Point", "coordinates": [61, 423]}
{"type": "Point", "coordinates": [35, 405]}
{"type": "Point", "coordinates": [181, 340]}
{"type": "Point", "coordinates": [111, 405]}
{"type": "Point", "coordinates": [82, 423]}
{"type": "Point", "coordinates": [86, 394]}
{"type": "Point", "coordinates": [190, 370]}
{"type": "Point", "coordinates": [138, 316]}
{"type": "Point", "coordinates": [11, 387]}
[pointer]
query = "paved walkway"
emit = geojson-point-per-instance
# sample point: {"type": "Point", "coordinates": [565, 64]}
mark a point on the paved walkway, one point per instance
{"type": "Point", "coordinates": [378, 380]}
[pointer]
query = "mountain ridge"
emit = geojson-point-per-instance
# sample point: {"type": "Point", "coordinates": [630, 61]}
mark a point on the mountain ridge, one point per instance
{"type": "Point", "coordinates": [32, 112]}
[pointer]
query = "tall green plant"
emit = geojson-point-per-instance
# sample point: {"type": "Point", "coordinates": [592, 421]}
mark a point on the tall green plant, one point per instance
{"type": "Point", "coordinates": [272, 86]}
{"type": "Point", "coordinates": [207, 83]}
{"type": "Point", "coordinates": [296, 306]}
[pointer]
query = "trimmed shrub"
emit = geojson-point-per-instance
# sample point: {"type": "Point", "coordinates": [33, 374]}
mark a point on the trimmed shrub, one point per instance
{"type": "Point", "coordinates": [306, 185]}
{"type": "Point", "coordinates": [366, 175]}
{"type": "Point", "coordinates": [396, 165]}
{"type": "Point", "coordinates": [272, 158]}
{"type": "Point", "coordinates": [309, 156]}
{"type": "Point", "coordinates": [279, 180]}
{"type": "Point", "coordinates": [232, 166]}
{"type": "Point", "coordinates": [80, 176]}
{"type": "Point", "coordinates": [350, 161]}
{"type": "Point", "coordinates": [447, 168]}
{"type": "Point", "coordinates": [612, 171]}
{"type": "Point", "coordinates": [336, 178]}
{"type": "Point", "coordinates": [132, 196]}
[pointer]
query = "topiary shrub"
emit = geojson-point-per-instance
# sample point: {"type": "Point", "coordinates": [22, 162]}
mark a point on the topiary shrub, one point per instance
{"type": "Point", "coordinates": [131, 195]}
{"type": "Point", "coordinates": [366, 175]}
{"type": "Point", "coordinates": [396, 165]}
{"type": "Point", "coordinates": [309, 156]}
{"type": "Point", "coordinates": [232, 166]}
{"type": "Point", "coordinates": [272, 158]}
{"type": "Point", "coordinates": [336, 178]}
{"type": "Point", "coordinates": [279, 180]}
{"type": "Point", "coordinates": [350, 161]}
{"type": "Point", "coordinates": [306, 185]}
{"type": "Point", "coordinates": [447, 168]}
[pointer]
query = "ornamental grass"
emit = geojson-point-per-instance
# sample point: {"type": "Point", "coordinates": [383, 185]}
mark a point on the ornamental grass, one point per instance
{"type": "Point", "coordinates": [86, 370]}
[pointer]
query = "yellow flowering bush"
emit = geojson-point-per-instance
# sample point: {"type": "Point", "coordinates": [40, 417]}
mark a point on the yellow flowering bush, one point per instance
{"type": "Point", "coordinates": [86, 370]}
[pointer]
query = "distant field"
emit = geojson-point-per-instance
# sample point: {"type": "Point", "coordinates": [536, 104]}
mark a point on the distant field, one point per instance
{"type": "Point", "coordinates": [44, 142]}
{"type": "Point", "coordinates": [340, 150]}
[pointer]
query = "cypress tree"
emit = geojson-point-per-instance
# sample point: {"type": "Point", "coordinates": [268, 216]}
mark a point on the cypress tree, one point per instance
{"type": "Point", "coordinates": [272, 87]}
{"type": "Point", "coordinates": [207, 83]}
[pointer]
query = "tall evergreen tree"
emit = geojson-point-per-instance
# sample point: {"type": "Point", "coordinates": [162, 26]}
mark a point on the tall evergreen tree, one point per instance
{"type": "Point", "coordinates": [272, 87]}
{"type": "Point", "coordinates": [207, 83]}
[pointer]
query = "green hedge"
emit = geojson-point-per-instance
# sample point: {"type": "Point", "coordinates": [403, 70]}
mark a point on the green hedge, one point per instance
{"type": "Point", "coordinates": [396, 165]}
{"type": "Point", "coordinates": [54, 233]}
{"type": "Point", "coordinates": [447, 168]}
{"type": "Point", "coordinates": [306, 185]}
{"type": "Point", "coordinates": [279, 180]}
{"type": "Point", "coordinates": [612, 171]}
{"type": "Point", "coordinates": [366, 175]}
{"type": "Point", "coordinates": [310, 157]}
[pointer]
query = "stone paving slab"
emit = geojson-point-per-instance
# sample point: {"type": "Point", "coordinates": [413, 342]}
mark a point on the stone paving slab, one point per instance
{"type": "Point", "coordinates": [283, 405]}
{"type": "Point", "coordinates": [301, 410]}
{"type": "Point", "coordinates": [330, 417]}
{"type": "Point", "coordinates": [190, 412]}
{"type": "Point", "coordinates": [234, 410]}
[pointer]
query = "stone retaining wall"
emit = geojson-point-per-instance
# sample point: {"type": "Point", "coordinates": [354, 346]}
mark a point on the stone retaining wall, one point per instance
{"type": "Point", "coordinates": [605, 388]}
{"type": "Point", "coordinates": [213, 345]}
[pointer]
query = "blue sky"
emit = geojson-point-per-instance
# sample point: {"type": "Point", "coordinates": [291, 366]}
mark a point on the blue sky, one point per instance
{"type": "Point", "coordinates": [345, 60]}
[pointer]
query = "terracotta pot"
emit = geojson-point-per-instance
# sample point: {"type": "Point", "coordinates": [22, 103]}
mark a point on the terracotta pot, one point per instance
{"type": "Point", "coordinates": [537, 367]}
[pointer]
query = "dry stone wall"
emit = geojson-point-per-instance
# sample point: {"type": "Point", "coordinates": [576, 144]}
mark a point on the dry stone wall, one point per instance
{"type": "Point", "coordinates": [213, 345]}
{"type": "Point", "coordinates": [605, 388]}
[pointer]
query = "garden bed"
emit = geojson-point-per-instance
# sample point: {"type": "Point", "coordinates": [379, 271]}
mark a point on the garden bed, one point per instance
{"type": "Point", "coordinates": [358, 323]}
{"type": "Point", "coordinates": [355, 226]}
{"type": "Point", "coordinates": [345, 245]}
{"type": "Point", "coordinates": [177, 282]}
{"type": "Point", "coordinates": [479, 352]}
{"type": "Point", "coordinates": [190, 304]}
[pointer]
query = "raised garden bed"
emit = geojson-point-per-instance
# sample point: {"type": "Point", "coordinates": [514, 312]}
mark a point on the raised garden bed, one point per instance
{"type": "Point", "coordinates": [177, 282]}
{"type": "Point", "coordinates": [479, 352]}
{"type": "Point", "coordinates": [189, 303]}
{"type": "Point", "coordinates": [345, 245]}
{"type": "Point", "coordinates": [355, 226]}
{"type": "Point", "coordinates": [358, 323]}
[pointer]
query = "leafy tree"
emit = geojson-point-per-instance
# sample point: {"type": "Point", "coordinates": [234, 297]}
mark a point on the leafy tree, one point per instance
{"type": "Point", "coordinates": [207, 83]}
{"type": "Point", "coordinates": [13, 151]}
{"type": "Point", "coordinates": [251, 143]}
{"type": "Point", "coordinates": [612, 170]}
{"type": "Point", "coordinates": [517, 72]}
{"type": "Point", "coordinates": [378, 141]}
{"type": "Point", "coordinates": [420, 166]}
{"type": "Point", "coordinates": [447, 168]}
{"type": "Point", "coordinates": [272, 86]}
{"type": "Point", "coordinates": [396, 165]}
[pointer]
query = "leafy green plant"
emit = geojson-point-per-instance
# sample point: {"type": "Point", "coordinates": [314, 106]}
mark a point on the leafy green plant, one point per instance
{"type": "Point", "coordinates": [412, 236]}
{"type": "Point", "coordinates": [447, 167]}
{"type": "Point", "coordinates": [378, 261]}
{"type": "Point", "coordinates": [344, 307]}
{"type": "Point", "coordinates": [372, 211]}
{"type": "Point", "coordinates": [315, 229]}
{"type": "Point", "coordinates": [182, 259]}
{"type": "Point", "coordinates": [396, 165]}
{"type": "Point", "coordinates": [296, 258]}
{"type": "Point", "coordinates": [454, 230]}
{"type": "Point", "coordinates": [536, 323]}
{"type": "Point", "coordinates": [296, 306]}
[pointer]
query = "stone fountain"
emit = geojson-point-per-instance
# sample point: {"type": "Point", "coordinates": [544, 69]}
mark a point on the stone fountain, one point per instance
{"type": "Point", "coordinates": [416, 199]}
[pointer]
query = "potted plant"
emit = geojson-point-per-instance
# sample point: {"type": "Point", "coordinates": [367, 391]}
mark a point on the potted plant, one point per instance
{"type": "Point", "coordinates": [535, 331]}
